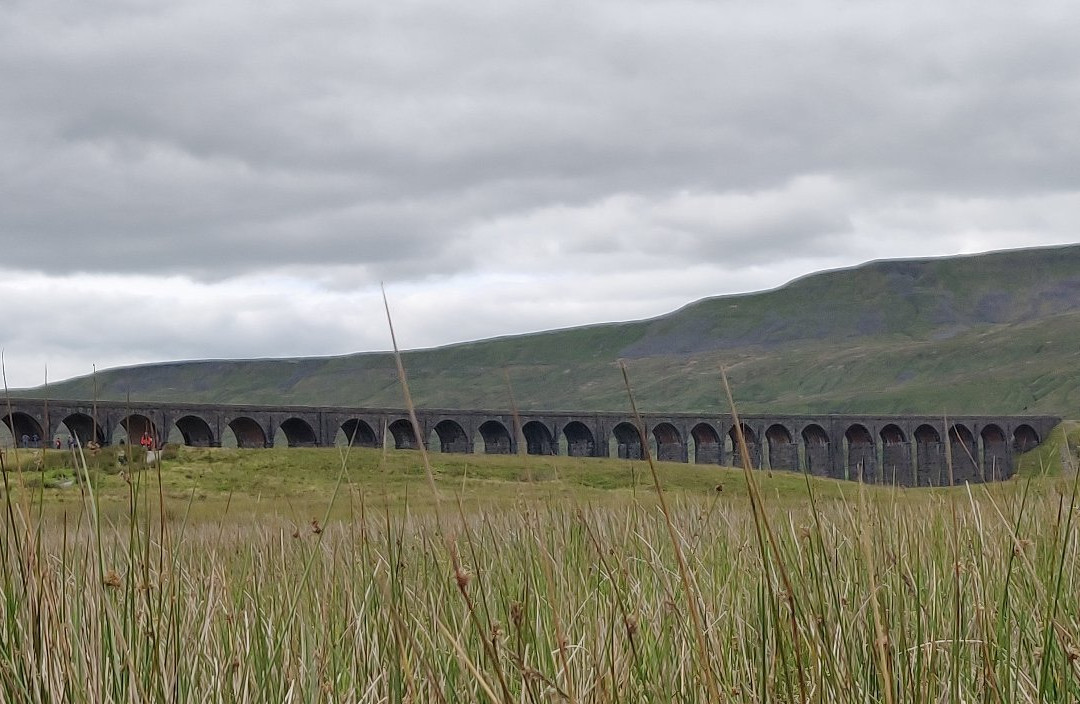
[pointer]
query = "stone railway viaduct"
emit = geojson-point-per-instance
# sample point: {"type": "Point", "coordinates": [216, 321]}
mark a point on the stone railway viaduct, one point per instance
{"type": "Point", "coordinates": [904, 450]}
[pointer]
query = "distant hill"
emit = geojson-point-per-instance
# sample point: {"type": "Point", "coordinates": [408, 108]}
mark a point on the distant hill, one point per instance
{"type": "Point", "coordinates": [993, 333]}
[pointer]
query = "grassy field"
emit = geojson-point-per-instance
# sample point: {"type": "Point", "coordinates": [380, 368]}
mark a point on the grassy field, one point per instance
{"type": "Point", "coordinates": [297, 483]}
{"type": "Point", "coordinates": [326, 575]}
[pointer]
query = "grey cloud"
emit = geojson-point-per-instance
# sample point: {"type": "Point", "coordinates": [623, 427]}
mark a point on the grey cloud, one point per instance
{"type": "Point", "coordinates": [277, 135]}
{"type": "Point", "coordinates": [807, 216]}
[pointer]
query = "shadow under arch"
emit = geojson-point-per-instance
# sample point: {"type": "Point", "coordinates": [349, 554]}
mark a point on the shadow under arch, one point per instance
{"type": "Point", "coordinates": [895, 456]}
{"type": "Point", "coordinates": [248, 433]}
{"type": "Point", "coordinates": [783, 452]}
{"type": "Point", "coordinates": [538, 438]}
{"type": "Point", "coordinates": [579, 440]}
{"type": "Point", "coordinates": [817, 450]}
{"type": "Point", "coordinates": [707, 445]}
{"type": "Point", "coordinates": [496, 438]}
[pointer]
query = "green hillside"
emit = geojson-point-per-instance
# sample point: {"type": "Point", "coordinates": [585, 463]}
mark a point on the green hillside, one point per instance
{"type": "Point", "coordinates": [993, 333]}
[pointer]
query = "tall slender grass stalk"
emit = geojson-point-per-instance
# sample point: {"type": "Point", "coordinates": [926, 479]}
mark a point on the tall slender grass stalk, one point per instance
{"type": "Point", "coordinates": [1052, 628]}
{"type": "Point", "coordinates": [15, 530]}
{"type": "Point", "coordinates": [882, 643]}
{"type": "Point", "coordinates": [764, 528]}
{"type": "Point", "coordinates": [519, 430]}
{"type": "Point", "coordinates": [690, 591]}
{"type": "Point", "coordinates": [461, 576]}
{"type": "Point", "coordinates": [420, 440]}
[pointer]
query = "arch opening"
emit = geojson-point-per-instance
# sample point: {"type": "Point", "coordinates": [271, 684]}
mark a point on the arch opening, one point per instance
{"type": "Point", "coordinates": [816, 450]}
{"type": "Point", "coordinates": [963, 451]}
{"type": "Point", "coordinates": [753, 446]}
{"type": "Point", "coordinates": [1025, 438]}
{"type": "Point", "coordinates": [83, 428]}
{"type": "Point", "coordinates": [627, 442]}
{"type": "Point", "coordinates": [997, 464]}
{"type": "Point", "coordinates": [404, 437]}
{"type": "Point", "coordinates": [783, 453]}
{"type": "Point", "coordinates": [861, 454]}
{"type": "Point", "coordinates": [298, 433]}
{"type": "Point", "coordinates": [452, 437]}
{"type": "Point", "coordinates": [895, 456]}
{"type": "Point", "coordinates": [669, 443]}
{"type": "Point", "coordinates": [707, 447]}
{"type": "Point", "coordinates": [579, 440]}
{"type": "Point", "coordinates": [929, 456]}
{"type": "Point", "coordinates": [24, 429]}
{"type": "Point", "coordinates": [195, 431]}
{"type": "Point", "coordinates": [538, 438]}
{"type": "Point", "coordinates": [358, 433]}
{"type": "Point", "coordinates": [248, 433]}
{"type": "Point", "coordinates": [496, 438]}
{"type": "Point", "coordinates": [133, 427]}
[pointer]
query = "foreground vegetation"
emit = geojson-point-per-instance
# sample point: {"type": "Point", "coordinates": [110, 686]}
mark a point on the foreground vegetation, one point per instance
{"type": "Point", "coordinates": [319, 575]}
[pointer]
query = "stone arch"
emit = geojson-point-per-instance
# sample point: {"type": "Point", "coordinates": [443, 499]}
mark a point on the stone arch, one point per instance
{"type": "Point", "coordinates": [24, 425]}
{"type": "Point", "coordinates": [298, 433]}
{"type": "Point", "coordinates": [404, 437]}
{"type": "Point", "coordinates": [861, 454]}
{"type": "Point", "coordinates": [1025, 438]}
{"type": "Point", "coordinates": [452, 437]}
{"type": "Point", "coordinates": [248, 432]}
{"type": "Point", "coordinates": [895, 456]}
{"type": "Point", "coordinates": [707, 445]}
{"type": "Point", "coordinates": [496, 438]}
{"type": "Point", "coordinates": [964, 452]}
{"type": "Point", "coordinates": [195, 431]}
{"type": "Point", "coordinates": [783, 452]}
{"type": "Point", "coordinates": [134, 426]}
{"type": "Point", "coordinates": [753, 446]}
{"type": "Point", "coordinates": [669, 443]}
{"type": "Point", "coordinates": [359, 433]}
{"type": "Point", "coordinates": [995, 454]}
{"type": "Point", "coordinates": [628, 442]}
{"type": "Point", "coordinates": [816, 449]}
{"type": "Point", "coordinates": [929, 456]}
{"type": "Point", "coordinates": [84, 428]}
{"type": "Point", "coordinates": [538, 439]}
{"type": "Point", "coordinates": [579, 440]}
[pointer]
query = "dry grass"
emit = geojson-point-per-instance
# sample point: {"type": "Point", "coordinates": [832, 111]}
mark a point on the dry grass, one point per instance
{"type": "Point", "coordinates": [578, 601]}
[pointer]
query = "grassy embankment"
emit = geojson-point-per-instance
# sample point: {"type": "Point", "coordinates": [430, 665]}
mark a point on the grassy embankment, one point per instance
{"type": "Point", "coordinates": [295, 575]}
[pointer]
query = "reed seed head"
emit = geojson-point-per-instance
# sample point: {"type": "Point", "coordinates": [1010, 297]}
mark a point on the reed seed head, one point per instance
{"type": "Point", "coordinates": [112, 579]}
{"type": "Point", "coordinates": [462, 577]}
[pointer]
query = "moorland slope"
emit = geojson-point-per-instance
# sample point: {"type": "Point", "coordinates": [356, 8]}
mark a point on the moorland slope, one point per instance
{"type": "Point", "coordinates": [990, 333]}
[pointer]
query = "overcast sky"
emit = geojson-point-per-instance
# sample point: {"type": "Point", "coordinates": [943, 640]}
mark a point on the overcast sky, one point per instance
{"type": "Point", "coordinates": [197, 179]}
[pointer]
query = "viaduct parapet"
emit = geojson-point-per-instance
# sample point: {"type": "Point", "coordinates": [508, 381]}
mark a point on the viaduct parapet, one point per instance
{"type": "Point", "coordinates": [903, 450]}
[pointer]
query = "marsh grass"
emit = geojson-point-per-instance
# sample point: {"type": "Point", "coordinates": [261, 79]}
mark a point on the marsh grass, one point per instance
{"type": "Point", "coordinates": [962, 595]}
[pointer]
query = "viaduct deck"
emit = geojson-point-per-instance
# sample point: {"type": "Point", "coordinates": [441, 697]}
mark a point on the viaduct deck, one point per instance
{"type": "Point", "coordinates": [907, 450]}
